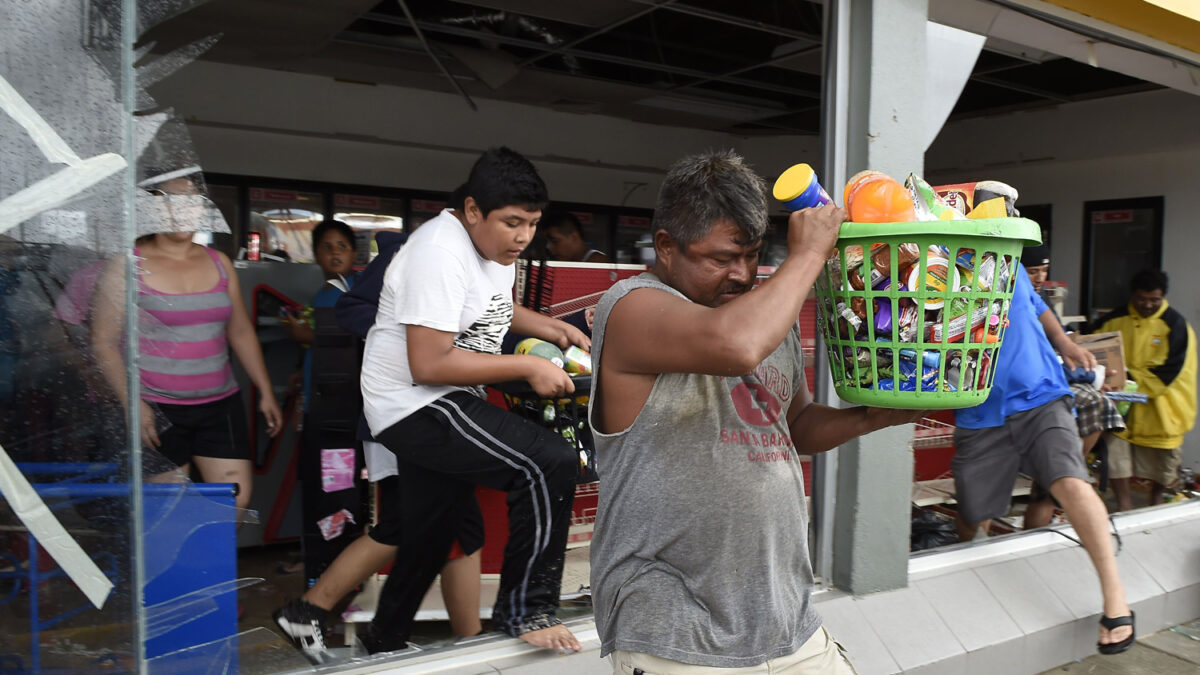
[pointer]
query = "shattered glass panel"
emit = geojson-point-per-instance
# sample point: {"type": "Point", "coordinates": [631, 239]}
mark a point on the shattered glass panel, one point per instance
{"type": "Point", "coordinates": [89, 574]}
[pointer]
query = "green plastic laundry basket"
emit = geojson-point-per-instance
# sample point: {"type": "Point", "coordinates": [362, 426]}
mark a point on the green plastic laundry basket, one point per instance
{"type": "Point", "coordinates": [913, 314]}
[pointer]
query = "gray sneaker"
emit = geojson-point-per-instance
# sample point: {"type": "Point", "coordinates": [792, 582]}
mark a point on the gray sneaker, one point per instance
{"type": "Point", "coordinates": [301, 621]}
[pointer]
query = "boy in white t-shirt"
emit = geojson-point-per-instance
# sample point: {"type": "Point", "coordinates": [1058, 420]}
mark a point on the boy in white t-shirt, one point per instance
{"type": "Point", "coordinates": [445, 307]}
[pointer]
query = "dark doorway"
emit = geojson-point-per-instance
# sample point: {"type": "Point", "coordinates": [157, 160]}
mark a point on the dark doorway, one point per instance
{"type": "Point", "coordinates": [1041, 214]}
{"type": "Point", "coordinates": [1120, 237]}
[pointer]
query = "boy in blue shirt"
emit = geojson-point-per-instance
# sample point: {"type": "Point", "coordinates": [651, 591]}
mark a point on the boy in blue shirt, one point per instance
{"type": "Point", "coordinates": [1028, 424]}
{"type": "Point", "coordinates": [333, 249]}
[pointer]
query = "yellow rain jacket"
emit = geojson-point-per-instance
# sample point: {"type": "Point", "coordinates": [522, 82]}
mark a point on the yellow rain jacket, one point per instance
{"type": "Point", "coordinates": [1160, 355]}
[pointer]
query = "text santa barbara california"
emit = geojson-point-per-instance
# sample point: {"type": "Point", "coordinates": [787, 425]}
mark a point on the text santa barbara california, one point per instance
{"type": "Point", "coordinates": [762, 440]}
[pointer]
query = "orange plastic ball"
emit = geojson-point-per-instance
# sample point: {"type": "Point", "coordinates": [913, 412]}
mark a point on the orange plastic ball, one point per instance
{"type": "Point", "coordinates": [858, 179]}
{"type": "Point", "coordinates": [880, 199]}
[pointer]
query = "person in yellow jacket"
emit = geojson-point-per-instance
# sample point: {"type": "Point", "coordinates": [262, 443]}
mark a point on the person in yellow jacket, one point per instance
{"type": "Point", "coordinates": [1160, 355]}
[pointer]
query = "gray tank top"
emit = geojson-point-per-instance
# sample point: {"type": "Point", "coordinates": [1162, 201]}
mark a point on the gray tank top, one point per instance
{"type": "Point", "coordinates": [700, 551]}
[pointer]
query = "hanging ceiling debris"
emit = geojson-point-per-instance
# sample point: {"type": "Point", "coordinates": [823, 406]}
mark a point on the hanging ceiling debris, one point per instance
{"type": "Point", "coordinates": [727, 65]}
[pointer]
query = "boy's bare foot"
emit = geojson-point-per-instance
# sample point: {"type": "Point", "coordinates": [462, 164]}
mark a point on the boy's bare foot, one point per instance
{"type": "Point", "coordinates": [557, 638]}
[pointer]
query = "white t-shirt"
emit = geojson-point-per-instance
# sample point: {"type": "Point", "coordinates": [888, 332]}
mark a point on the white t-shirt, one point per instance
{"type": "Point", "coordinates": [437, 280]}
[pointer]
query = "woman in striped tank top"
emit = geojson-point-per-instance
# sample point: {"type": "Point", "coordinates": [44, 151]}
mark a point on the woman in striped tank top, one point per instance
{"type": "Point", "coordinates": [190, 313]}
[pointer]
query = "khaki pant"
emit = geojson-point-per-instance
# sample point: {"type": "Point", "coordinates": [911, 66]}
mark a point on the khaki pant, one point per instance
{"type": "Point", "coordinates": [1126, 460]}
{"type": "Point", "coordinates": [819, 655]}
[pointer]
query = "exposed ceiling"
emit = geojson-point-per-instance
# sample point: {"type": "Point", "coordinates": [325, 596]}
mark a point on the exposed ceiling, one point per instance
{"type": "Point", "coordinates": [739, 66]}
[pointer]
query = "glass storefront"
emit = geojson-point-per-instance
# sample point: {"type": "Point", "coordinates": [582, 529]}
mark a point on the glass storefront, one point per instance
{"type": "Point", "coordinates": [109, 559]}
{"type": "Point", "coordinates": [71, 512]}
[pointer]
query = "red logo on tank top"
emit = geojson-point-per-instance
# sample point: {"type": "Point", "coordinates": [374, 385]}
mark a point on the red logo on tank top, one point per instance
{"type": "Point", "coordinates": [755, 404]}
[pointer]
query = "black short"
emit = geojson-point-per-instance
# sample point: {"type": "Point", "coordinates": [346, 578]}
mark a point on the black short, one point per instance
{"type": "Point", "coordinates": [215, 429]}
{"type": "Point", "coordinates": [387, 530]}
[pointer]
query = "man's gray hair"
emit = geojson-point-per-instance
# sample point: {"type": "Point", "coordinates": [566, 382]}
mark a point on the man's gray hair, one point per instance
{"type": "Point", "coordinates": [702, 189]}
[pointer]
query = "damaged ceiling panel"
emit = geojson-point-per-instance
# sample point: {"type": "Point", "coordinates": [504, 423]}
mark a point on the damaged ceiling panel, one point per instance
{"type": "Point", "coordinates": [727, 65]}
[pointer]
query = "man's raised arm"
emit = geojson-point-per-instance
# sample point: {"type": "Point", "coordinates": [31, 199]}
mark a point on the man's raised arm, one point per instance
{"type": "Point", "coordinates": [651, 331]}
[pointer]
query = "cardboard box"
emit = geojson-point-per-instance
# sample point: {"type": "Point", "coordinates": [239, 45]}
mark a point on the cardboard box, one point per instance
{"type": "Point", "coordinates": [1108, 349]}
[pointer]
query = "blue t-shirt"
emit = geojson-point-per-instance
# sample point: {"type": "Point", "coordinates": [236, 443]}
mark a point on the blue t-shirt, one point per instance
{"type": "Point", "coordinates": [326, 297]}
{"type": "Point", "coordinates": [1028, 373]}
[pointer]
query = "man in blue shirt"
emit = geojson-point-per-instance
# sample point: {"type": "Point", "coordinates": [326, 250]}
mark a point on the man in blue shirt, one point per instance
{"type": "Point", "coordinates": [1027, 424]}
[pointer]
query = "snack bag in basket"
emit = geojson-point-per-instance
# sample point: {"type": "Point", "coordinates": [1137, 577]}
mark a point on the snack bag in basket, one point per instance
{"type": "Point", "coordinates": [965, 197]}
{"type": "Point", "coordinates": [926, 202]}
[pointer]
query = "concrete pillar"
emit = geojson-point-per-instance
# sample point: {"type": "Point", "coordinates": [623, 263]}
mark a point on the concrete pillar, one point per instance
{"type": "Point", "coordinates": [886, 121]}
{"type": "Point", "coordinates": [882, 85]}
{"type": "Point", "coordinates": [872, 514]}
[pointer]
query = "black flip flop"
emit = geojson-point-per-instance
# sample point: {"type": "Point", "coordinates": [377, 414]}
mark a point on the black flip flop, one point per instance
{"type": "Point", "coordinates": [1111, 624]}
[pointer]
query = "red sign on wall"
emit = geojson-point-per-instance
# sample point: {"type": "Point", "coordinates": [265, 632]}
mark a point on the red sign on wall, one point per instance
{"type": "Point", "coordinates": [638, 222]}
{"type": "Point", "coordinates": [427, 206]}
{"type": "Point", "coordinates": [271, 195]}
{"type": "Point", "coordinates": [356, 201]}
{"type": "Point", "coordinates": [1114, 216]}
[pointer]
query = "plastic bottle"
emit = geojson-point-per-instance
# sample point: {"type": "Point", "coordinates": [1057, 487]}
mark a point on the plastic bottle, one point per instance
{"type": "Point", "coordinates": [545, 350]}
{"type": "Point", "coordinates": [798, 188]}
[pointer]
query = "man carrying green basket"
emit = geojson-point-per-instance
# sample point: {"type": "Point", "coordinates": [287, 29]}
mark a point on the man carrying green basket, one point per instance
{"type": "Point", "coordinates": [700, 411]}
{"type": "Point", "coordinates": [1028, 424]}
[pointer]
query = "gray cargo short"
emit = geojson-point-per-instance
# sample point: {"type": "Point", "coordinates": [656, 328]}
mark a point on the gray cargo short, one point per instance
{"type": "Point", "coordinates": [1043, 443]}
